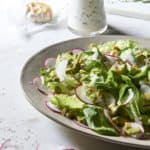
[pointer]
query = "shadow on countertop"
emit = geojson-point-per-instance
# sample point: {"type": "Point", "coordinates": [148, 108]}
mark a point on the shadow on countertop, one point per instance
{"type": "Point", "coordinates": [113, 31]}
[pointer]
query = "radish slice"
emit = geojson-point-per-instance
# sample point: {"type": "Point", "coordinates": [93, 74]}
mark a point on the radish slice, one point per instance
{"type": "Point", "coordinates": [61, 69]}
{"type": "Point", "coordinates": [51, 106]}
{"type": "Point", "coordinates": [80, 93]}
{"type": "Point", "coordinates": [36, 82]}
{"type": "Point", "coordinates": [77, 50]}
{"type": "Point", "coordinates": [110, 57]}
{"type": "Point", "coordinates": [49, 62]}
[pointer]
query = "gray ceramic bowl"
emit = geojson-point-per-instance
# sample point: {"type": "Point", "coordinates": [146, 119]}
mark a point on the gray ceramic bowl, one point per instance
{"type": "Point", "coordinates": [32, 67]}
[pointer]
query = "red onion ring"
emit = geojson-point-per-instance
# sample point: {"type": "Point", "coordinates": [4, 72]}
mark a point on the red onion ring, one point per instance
{"type": "Point", "coordinates": [77, 50]}
{"type": "Point", "coordinates": [51, 106]}
{"type": "Point", "coordinates": [83, 98]}
{"type": "Point", "coordinates": [110, 56]}
{"type": "Point", "coordinates": [36, 82]}
{"type": "Point", "coordinates": [49, 62]}
{"type": "Point", "coordinates": [36, 85]}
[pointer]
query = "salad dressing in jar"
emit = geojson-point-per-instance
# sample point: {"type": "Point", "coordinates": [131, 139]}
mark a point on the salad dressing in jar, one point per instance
{"type": "Point", "coordinates": [87, 16]}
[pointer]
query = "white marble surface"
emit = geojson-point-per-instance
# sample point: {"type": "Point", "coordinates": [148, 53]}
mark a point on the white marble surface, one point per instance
{"type": "Point", "coordinates": [26, 128]}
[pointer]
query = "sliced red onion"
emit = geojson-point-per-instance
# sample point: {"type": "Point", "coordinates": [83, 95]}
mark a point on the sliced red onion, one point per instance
{"type": "Point", "coordinates": [107, 115]}
{"type": "Point", "coordinates": [2, 146]}
{"type": "Point", "coordinates": [80, 93]}
{"type": "Point", "coordinates": [111, 58]}
{"type": "Point", "coordinates": [36, 82]}
{"type": "Point", "coordinates": [51, 106]}
{"type": "Point", "coordinates": [49, 62]}
{"type": "Point", "coordinates": [81, 124]}
{"type": "Point", "coordinates": [77, 50]}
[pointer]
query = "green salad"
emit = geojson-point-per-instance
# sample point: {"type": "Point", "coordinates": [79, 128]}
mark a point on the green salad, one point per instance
{"type": "Point", "coordinates": [105, 87]}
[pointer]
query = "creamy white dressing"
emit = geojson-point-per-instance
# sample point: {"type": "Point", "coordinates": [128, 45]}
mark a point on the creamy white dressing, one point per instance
{"type": "Point", "coordinates": [86, 16]}
{"type": "Point", "coordinates": [61, 69]}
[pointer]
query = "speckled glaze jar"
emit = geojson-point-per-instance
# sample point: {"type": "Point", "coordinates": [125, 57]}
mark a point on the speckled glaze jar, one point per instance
{"type": "Point", "coordinates": [87, 17]}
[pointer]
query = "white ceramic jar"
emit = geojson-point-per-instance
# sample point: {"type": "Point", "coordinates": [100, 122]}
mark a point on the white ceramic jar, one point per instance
{"type": "Point", "coordinates": [87, 16]}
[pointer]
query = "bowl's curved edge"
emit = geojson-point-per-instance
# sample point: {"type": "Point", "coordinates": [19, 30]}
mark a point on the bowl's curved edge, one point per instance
{"type": "Point", "coordinates": [101, 137]}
